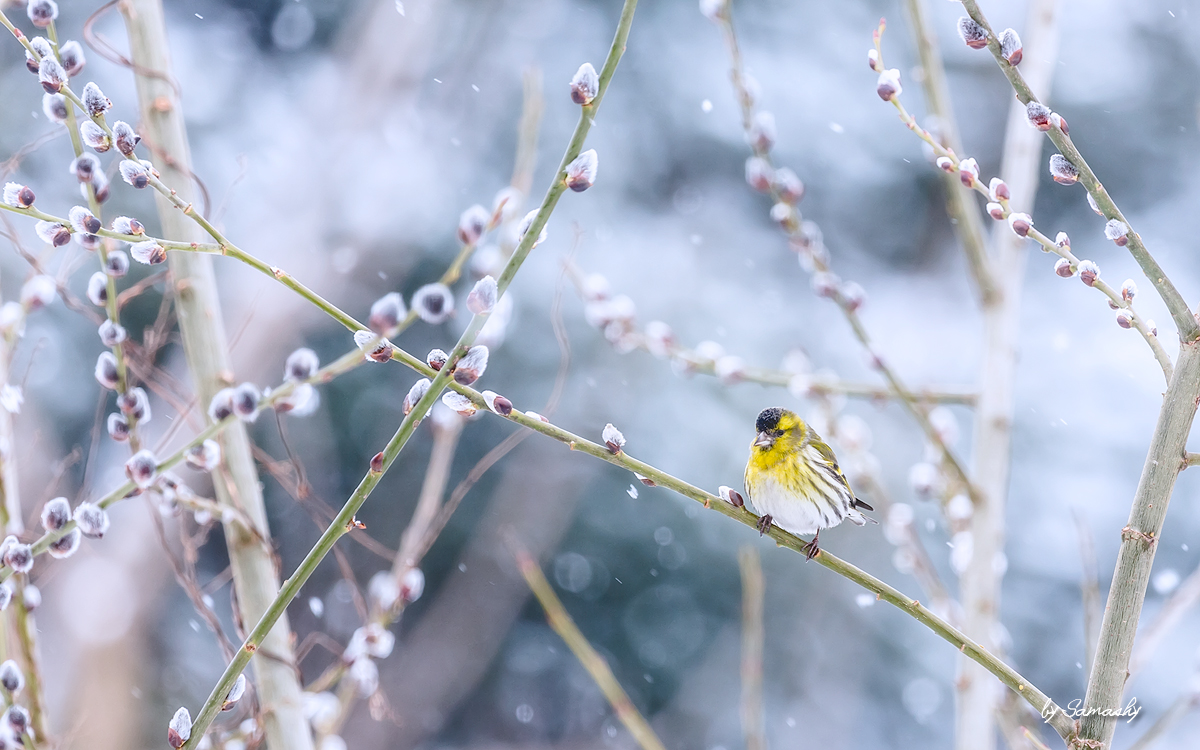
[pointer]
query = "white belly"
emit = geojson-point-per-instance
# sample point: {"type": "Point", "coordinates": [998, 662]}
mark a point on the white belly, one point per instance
{"type": "Point", "coordinates": [790, 512]}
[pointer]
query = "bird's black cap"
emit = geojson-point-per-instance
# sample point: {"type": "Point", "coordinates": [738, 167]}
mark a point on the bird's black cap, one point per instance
{"type": "Point", "coordinates": [768, 419]}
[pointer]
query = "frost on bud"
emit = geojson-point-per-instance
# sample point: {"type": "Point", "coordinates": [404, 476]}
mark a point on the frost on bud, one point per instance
{"type": "Point", "coordinates": [1020, 224]}
{"type": "Point", "coordinates": [95, 138]}
{"type": "Point", "coordinates": [472, 366]}
{"type": "Point", "coordinates": [472, 224]}
{"type": "Point", "coordinates": [126, 137]}
{"type": "Point", "coordinates": [1062, 240]}
{"type": "Point", "coordinates": [65, 546]}
{"type": "Point", "coordinates": [221, 406]}
{"type": "Point", "coordinates": [759, 174]}
{"type": "Point", "coordinates": [141, 468]}
{"type": "Point", "coordinates": [415, 394]}
{"type": "Point", "coordinates": [17, 556]}
{"type": "Point", "coordinates": [83, 220]}
{"type": "Point", "coordinates": [585, 84]}
{"type": "Point", "coordinates": [525, 225]}
{"type": "Point", "coordinates": [38, 292]}
{"type": "Point", "coordinates": [11, 677]}
{"type": "Point", "coordinates": [729, 369]}
{"type": "Point", "coordinates": [1010, 47]}
{"type": "Point", "coordinates": [118, 427]}
{"type": "Point", "coordinates": [56, 514]}
{"type": "Point", "coordinates": [581, 172]}
{"type": "Point", "coordinates": [996, 211]}
{"type": "Point", "coordinates": [204, 457]}
{"type": "Point", "coordinates": [134, 172]}
{"type": "Point", "coordinates": [17, 195]}
{"type": "Point", "coordinates": [53, 233]}
{"type": "Point", "coordinates": [1062, 170]}
{"type": "Point", "coordinates": [825, 284]}
{"type": "Point", "coordinates": [54, 106]}
{"type": "Point", "coordinates": [434, 303]}
{"type": "Point", "coordinates": [1129, 290]}
{"type": "Point", "coordinates": [998, 190]}
{"type": "Point", "coordinates": [235, 693]}
{"type": "Point", "coordinates": [42, 12]}
{"type": "Point", "coordinates": [731, 496]}
{"type": "Point", "coordinates": [945, 163]}
{"type": "Point", "coordinates": [1088, 272]}
{"type": "Point", "coordinates": [1063, 268]}
{"type": "Point", "coordinates": [386, 313]}
{"type": "Point", "coordinates": [888, 85]}
{"type": "Point", "coordinates": [1117, 231]}
{"type": "Point", "coordinates": [483, 296]}
{"type": "Point", "coordinates": [612, 438]}
{"type": "Point", "coordinates": [1124, 319]}
{"type": "Point", "coordinates": [118, 264]}
{"type": "Point", "coordinates": [106, 370]}
{"type": "Point", "coordinates": [762, 132]}
{"type": "Point", "coordinates": [111, 333]}
{"type": "Point", "coordinates": [459, 403]}
{"type": "Point", "coordinates": [301, 364]}
{"type": "Point", "coordinates": [245, 401]}
{"type": "Point", "coordinates": [94, 100]}
{"type": "Point", "coordinates": [127, 225]}
{"type": "Point", "coordinates": [497, 403]}
{"type": "Point", "coordinates": [788, 185]}
{"type": "Point", "coordinates": [873, 59]}
{"type": "Point", "coordinates": [968, 172]}
{"type": "Point", "coordinates": [1059, 122]}
{"type": "Point", "coordinates": [180, 728]}
{"type": "Point", "coordinates": [1038, 114]}
{"type": "Point", "coordinates": [17, 719]}
{"type": "Point", "coordinates": [51, 75]}
{"type": "Point", "coordinates": [72, 58]}
{"type": "Point", "coordinates": [374, 348]}
{"type": "Point", "coordinates": [972, 33]}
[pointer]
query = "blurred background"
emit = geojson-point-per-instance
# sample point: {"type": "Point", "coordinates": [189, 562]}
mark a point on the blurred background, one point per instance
{"type": "Point", "coordinates": [341, 140]}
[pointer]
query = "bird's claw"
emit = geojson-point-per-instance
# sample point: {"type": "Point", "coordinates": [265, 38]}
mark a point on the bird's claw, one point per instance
{"type": "Point", "coordinates": [813, 548]}
{"type": "Point", "coordinates": [764, 523]}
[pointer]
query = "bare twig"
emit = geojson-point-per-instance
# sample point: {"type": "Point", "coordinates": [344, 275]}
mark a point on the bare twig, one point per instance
{"type": "Point", "coordinates": [752, 649]}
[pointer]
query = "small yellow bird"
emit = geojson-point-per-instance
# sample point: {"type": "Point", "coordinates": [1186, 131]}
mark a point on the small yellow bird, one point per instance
{"type": "Point", "coordinates": [793, 479]}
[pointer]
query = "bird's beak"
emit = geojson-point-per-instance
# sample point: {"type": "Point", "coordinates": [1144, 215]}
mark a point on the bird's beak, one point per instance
{"type": "Point", "coordinates": [764, 440]}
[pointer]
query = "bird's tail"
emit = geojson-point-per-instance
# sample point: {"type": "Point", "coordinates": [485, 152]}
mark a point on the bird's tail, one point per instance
{"type": "Point", "coordinates": [859, 518]}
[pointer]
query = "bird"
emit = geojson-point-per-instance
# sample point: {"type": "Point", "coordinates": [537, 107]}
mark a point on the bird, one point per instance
{"type": "Point", "coordinates": [793, 479]}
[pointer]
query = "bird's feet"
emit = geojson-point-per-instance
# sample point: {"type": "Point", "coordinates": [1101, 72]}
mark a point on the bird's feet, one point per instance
{"type": "Point", "coordinates": [813, 549]}
{"type": "Point", "coordinates": [764, 523]}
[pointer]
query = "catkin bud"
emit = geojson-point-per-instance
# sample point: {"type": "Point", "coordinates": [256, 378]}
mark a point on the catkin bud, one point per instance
{"type": "Point", "coordinates": [434, 303]}
{"type": "Point", "coordinates": [180, 728]}
{"type": "Point", "coordinates": [88, 242]}
{"type": "Point", "coordinates": [111, 333]}
{"type": "Point", "coordinates": [1059, 122]}
{"type": "Point", "coordinates": [38, 292]}
{"type": "Point", "coordinates": [51, 75]}
{"type": "Point", "coordinates": [825, 284]}
{"type": "Point", "coordinates": [66, 545]}
{"type": "Point", "coordinates": [968, 172]}
{"type": "Point", "coordinates": [17, 719]}
{"type": "Point", "coordinates": [99, 186]}
{"type": "Point", "coordinates": [149, 252]}
{"type": "Point", "coordinates": [1124, 319]}
{"type": "Point", "coordinates": [83, 220]}
{"type": "Point", "coordinates": [1088, 272]}
{"type": "Point", "coordinates": [1010, 47]}
{"type": "Point", "coordinates": [11, 677]}
{"type": "Point", "coordinates": [17, 556]}
{"type": "Point", "coordinates": [581, 172]}
{"type": "Point", "coordinates": [118, 427]}
{"type": "Point", "coordinates": [585, 84]}
{"type": "Point", "coordinates": [1038, 114]}
{"type": "Point", "coordinates": [612, 438]}
{"type": "Point", "coordinates": [94, 100]}
{"type": "Point", "coordinates": [374, 348]}
{"type": "Point", "coordinates": [235, 693]}
{"type": "Point", "coordinates": [497, 403]}
{"type": "Point", "coordinates": [873, 59]}
{"type": "Point", "coordinates": [888, 85]}
{"type": "Point", "coordinates": [482, 298]}
{"type": "Point", "coordinates": [221, 406]}
{"type": "Point", "coordinates": [205, 456]}
{"type": "Point", "coordinates": [106, 370]}
{"type": "Point", "coordinates": [713, 10]}
{"type": "Point", "coordinates": [118, 264]}
{"type": "Point", "coordinates": [853, 295]}
{"type": "Point", "coordinates": [245, 401]}
{"type": "Point", "coordinates": [134, 173]}
{"type": "Point", "coordinates": [142, 468]}
{"type": "Point", "coordinates": [415, 394]}
{"type": "Point", "coordinates": [125, 137]}
{"type": "Point", "coordinates": [788, 185]}
{"type": "Point", "coordinates": [1020, 223]}
{"type": "Point", "coordinates": [85, 167]}
{"type": "Point", "coordinates": [472, 224]}
{"type": "Point", "coordinates": [762, 133]}
{"type": "Point", "coordinates": [97, 289]}
{"type": "Point", "coordinates": [972, 33]}
{"type": "Point", "coordinates": [301, 364]}
{"type": "Point", "coordinates": [386, 313]}
{"type": "Point", "coordinates": [996, 211]}
{"type": "Point", "coordinates": [71, 56]}
{"type": "Point", "coordinates": [436, 358]}
{"type": "Point", "coordinates": [998, 190]}
{"type": "Point", "coordinates": [42, 12]}
{"type": "Point", "coordinates": [6, 594]}
{"type": "Point", "coordinates": [1117, 231]}
{"type": "Point", "coordinates": [127, 225]}
{"type": "Point", "coordinates": [471, 367]}
{"type": "Point", "coordinates": [56, 513]}
{"type": "Point", "coordinates": [135, 403]}
{"type": "Point", "coordinates": [1063, 171]}
{"type": "Point", "coordinates": [459, 403]}
{"type": "Point", "coordinates": [52, 233]}
{"type": "Point", "coordinates": [95, 138]}
{"type": "Point", "coordinates": [759, 174]}
{"type": "Point", "coordinates": [1129, 290]}
{"type": "Point", "coordinates": [731, 496]}
{"type": "Point", "coordinates": [1062, 240]}
{"type": "Point", "coordinates": [1063, 268]}
{"type": "Point", "coordinates": [525, 225]}
{"type": "Point", "coordinates": [18, 195]}
{"type": "Point", "coordinates": [54, 106]}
